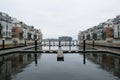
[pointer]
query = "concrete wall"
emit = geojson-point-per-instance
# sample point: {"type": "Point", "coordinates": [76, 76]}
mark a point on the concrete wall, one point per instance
{"type": "Point", "coordinates": [103, 42]}
{"type": "Point", "coordinates": [11, 43]}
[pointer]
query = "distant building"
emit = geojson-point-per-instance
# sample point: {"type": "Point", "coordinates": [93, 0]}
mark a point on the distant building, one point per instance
{"type": "Point", "coordinates": [65, 38]}
{"type": "Point", "coordinates": [50, 40]}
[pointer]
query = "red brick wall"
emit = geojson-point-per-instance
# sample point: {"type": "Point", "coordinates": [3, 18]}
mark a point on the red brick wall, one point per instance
{"type": "Point", "coordinates": [15, 32]}
{"type": "Point", "coordinates": [109, 32]}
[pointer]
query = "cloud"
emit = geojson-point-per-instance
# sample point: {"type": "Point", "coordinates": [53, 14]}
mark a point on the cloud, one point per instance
{"type": "Point", "coordinates": [61, 17]}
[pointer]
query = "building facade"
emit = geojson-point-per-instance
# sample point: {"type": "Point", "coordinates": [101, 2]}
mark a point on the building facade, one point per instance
{"type": "Point", "coordinates": [5, 26]}
{"type": "Point", "coordinates": [13, 30]}
{"type": "Point", "coordinates": [108, 31]}
{"type": "Point", "coordinates": [117, 27]}
{"type": "Point", "coordinates": [65, 38]}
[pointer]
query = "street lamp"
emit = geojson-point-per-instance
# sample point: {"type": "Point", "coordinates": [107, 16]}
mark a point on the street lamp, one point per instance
{"type": "Point", "coordinates": [84, 44]}
{"type": "Point", "coordinates": [35, 44]}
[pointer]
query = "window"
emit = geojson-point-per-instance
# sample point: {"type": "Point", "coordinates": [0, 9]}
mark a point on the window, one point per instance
{"type": "Point", "coordinates": [10, 34]}
{"type": "Point", "coordinates": [7, 26]}
{"type": "Point", "coordinates": [119, 27]}
{"type": "Point", "coordinates": [4, 33]}
{"type": "Point", "coordinates": [13, 30]}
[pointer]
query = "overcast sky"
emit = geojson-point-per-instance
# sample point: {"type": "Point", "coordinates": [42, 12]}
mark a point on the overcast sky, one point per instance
{"type": "Point", "coordinates": [61, 17]}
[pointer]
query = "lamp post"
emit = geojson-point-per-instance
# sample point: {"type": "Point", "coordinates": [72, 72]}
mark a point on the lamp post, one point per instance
{"type": "Point", "coordinates": [84, 45]}
{"type": "Point", "coordinates": [35, 44]}
{"type": "Point", "coordinates": [59, 43]}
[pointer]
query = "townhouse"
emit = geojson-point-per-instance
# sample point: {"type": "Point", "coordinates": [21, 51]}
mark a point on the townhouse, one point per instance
{"type": "Point", "coordinates": [22, 32]}
{"type": "Point", "coordinates": [5, 26]}
{"type": "Point", "coordinates": [116, 27]}
{"type": "Point", "coordinates": [108, 31]}
{"type": "Point", "coordinates": [16, 31]}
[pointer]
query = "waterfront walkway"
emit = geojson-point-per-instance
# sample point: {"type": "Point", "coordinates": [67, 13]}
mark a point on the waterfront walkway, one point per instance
{"type": "Point", "coordinates": [29, 50]}
{"type": "Point", "coordinates": [2, 52]}
{"type": "Point", "coordinates": [110, 50]}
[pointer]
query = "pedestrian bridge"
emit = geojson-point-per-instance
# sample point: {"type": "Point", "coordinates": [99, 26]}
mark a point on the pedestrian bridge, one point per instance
{"type": "Point", "coordinates": [59, 43]}
{"type": "Point", "coordinates": [60, 48]}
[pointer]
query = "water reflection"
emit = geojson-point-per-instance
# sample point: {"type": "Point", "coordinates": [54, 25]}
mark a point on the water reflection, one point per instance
{"type": "Point", "coordinates": [60, 59]}
{"type": "Point", "coordinates": [35, 55]}
{"type": "Point", "coordinates": [15, 63]}
{"type": "Point", "coordinates": [72, 67]}
{"type": "Point", "coordinates": [108, 62]}
{"type": "Point", "coordinates": [84, 58]}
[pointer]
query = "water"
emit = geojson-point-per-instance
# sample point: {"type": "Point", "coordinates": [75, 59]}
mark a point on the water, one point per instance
{"type": "Point", "coordinates": [76, 66]}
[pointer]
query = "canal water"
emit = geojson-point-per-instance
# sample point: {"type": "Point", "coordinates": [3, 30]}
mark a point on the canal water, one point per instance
{"type": "Point", "coordinates": [45, 66]}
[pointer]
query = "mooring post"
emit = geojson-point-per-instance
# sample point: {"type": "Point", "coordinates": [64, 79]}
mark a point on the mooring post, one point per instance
{"type": "Point", "coordinates": [84, 45]}
{"type": "Point", "coordinates": [3, 43]}
{"type": "Point", "coordinates": [93, 43]}
{"type": "Point", "coordinates": [59, 43]}
{"type": "Point", "coordinates": [25, 42]}
{"type": "Point", "coordinates": [35, 44]}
